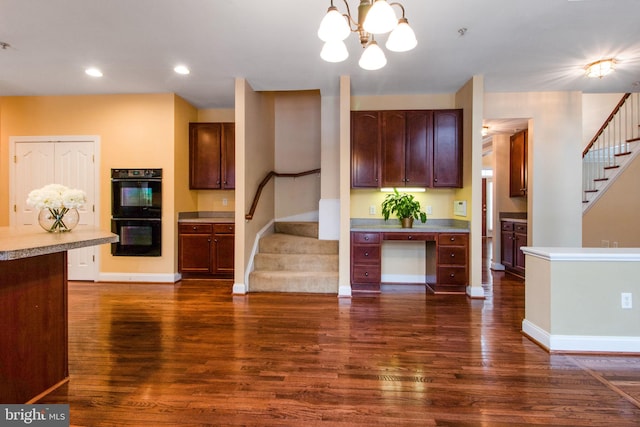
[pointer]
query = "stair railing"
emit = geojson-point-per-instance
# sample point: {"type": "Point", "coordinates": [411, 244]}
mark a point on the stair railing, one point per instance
{"type": "Point", "coordinates": [610, 142]}
{"type": "Point", "coordinates": [264, 182]}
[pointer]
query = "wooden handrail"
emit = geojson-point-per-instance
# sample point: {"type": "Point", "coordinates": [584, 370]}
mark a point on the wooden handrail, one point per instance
{"type": "Point", "coordinates": [606, 122]}
{"type": "Point", "coordinates": [264, 182]}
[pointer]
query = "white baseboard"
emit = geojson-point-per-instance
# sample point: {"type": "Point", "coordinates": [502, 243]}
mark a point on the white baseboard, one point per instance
{"type": "Point", "coordinates": [344, 291]}
{"type": "Point", "coordinates": [497, 266]}
{"type": "Point", "coordinates": [475, 291]}
{"type": "Point", "coordinates": [139, 277]}
{"type": "Point", "coordinates": [581, 343]}
{"type": "Point", "coordinates": [239, 289]}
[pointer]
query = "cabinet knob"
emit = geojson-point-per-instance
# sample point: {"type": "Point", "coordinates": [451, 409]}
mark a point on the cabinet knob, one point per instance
{"type": "Point", "coordinates": [410, 237]}
{"type": "Point", "coordinates": [215, 240]}
{"type": "Point", "coordinates": [366, 237]}
{"type": "Point", "coordinates": [452, 239]}
{"type": "Point", "coordinates": [195, 228]}
{"type": "Point", "coordinates": [366, 273]}
{"type": "Point", "coordinates": [452, 275]}
{"type": "Point", "coordinates": [453, 255]}
{"type": "Point", "coordinates": [366, 254]}
{"type": "Point", "coordinates": [435, 179]}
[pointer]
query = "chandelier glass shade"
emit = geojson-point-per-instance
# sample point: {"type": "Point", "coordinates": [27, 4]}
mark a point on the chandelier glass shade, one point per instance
{"type": "Point", "coordinates": [374, 17]}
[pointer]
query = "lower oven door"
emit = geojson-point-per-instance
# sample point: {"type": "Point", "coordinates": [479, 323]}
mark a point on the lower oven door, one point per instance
{"type": "Point", "coordinates": [138, 237]}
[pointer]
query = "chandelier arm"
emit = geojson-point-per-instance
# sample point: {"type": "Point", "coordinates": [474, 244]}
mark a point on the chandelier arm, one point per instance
{"type": "Point", "coordinates": [350, 19]}
{"type": "Point", "coordinates": [398, 4]}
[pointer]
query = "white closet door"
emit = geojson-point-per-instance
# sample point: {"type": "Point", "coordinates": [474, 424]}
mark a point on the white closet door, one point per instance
{"type": "Point", "coordinates": [67, 163]}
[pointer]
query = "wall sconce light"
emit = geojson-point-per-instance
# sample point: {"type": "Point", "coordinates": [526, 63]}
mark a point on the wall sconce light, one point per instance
{"type": "Point", "coordinates": [374, 17]}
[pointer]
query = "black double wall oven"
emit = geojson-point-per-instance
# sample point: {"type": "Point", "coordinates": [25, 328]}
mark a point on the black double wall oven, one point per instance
{"type": "Point", "coordinates": [136, 211]}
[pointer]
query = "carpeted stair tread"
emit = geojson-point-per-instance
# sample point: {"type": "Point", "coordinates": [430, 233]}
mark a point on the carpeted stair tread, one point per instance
{"type": "Point", "coordinates": [306, 229]}
{"type": "Point", "coordinates": [288, 244]}
{"type": "Point", "coordinates": [296, 262]}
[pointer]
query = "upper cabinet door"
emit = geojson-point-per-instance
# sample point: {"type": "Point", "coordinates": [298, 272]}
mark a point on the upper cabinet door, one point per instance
{"type": "Point", "coordinates": [365, 149]}
{"type": "Point", "coordinates": [228, 172]}
{"type": "Point", "coordinates": [419, 149]}
{"type": "Point", "coordinates": [518, 165]}
{"type": "Point", "coordinates": [447, 148]}
{"type": "Point", "coordinates": [393, 148]}
{"type": "Point", "coordinates": [204, 155]}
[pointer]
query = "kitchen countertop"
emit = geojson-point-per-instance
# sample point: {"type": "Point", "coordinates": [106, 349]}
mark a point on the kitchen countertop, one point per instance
{"type": "Point", "coordinates": [16, 243]}
{"type": "Point", "coordinates": [393, 225]}
{"type": "Point", "coordinates": [207, 216]}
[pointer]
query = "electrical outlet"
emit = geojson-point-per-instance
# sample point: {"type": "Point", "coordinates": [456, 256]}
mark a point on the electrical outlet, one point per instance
{"type": "Point", "coordinates": [225, 202]}
{"type": "Point", "coordinates": [429, 210]}
{"type": "Point", "coordinates": [626, 300]}
{"type": "Point", "coordinates": [372, 210]}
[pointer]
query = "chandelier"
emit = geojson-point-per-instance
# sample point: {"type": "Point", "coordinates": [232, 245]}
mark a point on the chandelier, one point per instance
{"type": "Point", "coordinates": [374, 17]}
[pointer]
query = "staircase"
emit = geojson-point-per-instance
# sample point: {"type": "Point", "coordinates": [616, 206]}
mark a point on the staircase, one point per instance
{"type": "Point", "coordinates": [611, 149]}
{"type": "Point", "coordinates": [294, 260]}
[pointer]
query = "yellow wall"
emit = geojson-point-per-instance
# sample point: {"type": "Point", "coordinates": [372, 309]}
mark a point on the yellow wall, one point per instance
{"type": "Point", "coordinates": [136, 131]}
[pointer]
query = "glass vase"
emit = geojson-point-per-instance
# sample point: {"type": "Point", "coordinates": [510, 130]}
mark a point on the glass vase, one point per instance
{"type": "Point", "coordinates": [58, 220]}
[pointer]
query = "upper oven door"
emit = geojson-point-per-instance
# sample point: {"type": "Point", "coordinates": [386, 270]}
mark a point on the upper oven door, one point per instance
{"type": "Point", "coordinates": [136, 198]}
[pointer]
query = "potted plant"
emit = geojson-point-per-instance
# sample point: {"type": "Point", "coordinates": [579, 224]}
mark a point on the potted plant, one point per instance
{"type": "Point", "coordinates": [404, 206]}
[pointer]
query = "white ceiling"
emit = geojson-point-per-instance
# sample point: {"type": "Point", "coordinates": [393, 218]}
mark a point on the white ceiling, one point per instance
{"type": "Point", "coordinates": [517, 45]}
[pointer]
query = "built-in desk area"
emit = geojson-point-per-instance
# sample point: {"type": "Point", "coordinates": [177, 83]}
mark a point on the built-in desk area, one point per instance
{"type": "Point", "coordinates": [33, 308]}
{"type": "Point", "coordinates": [446, 248]}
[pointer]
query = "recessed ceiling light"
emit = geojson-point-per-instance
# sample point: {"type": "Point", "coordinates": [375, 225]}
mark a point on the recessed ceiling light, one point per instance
{"type": "Point", "coordinates": [93, 72]}
{"type": "Point", "coordinates": [181, 69]}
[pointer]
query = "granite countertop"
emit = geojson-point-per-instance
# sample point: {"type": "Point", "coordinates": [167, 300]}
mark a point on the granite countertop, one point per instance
{"type": "Point", "coordinates": [207, 216]}
{"type": "Point", "coordinates": [432, 225]}
{"type": "Point", "coordinates": [25, 242]}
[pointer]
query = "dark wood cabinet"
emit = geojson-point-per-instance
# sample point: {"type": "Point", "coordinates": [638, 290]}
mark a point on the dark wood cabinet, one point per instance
{"type": "Point", "coordinates": [223, 248]}
{"type": "Point", "coordinates": [447, 148]}
{"type": "Point", "coordinates": [513, 237]}
{"type": "Point", "coordinates": [206, 249]}
{"type": "Point", "coordinates": [365, 149]}
{"type": "Point", "coordinates": [518, 164]}
{"type": "Point", "coordinates": [365, 261]}
{"type": "Point", "coordinates": [406, 148]}
{"type": "Point", "coordinates": [212, 156]}
{"type": "Point", "coordinates": [451, 264]}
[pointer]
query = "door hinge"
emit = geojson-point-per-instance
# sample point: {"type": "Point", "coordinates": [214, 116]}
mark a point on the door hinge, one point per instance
{"type": "Point", "coordinates": [15, 208]}
{"type": "Point", "coordinates": [93, 208]}
{"type": "Point", "coordinates": [15, 159]}
{"type": "Point", "coordinates": [93, 258]}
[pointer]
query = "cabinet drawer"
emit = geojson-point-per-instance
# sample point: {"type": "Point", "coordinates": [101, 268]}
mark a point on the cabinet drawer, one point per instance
{"type": "Point", "coordinates": [361, 237]}
{"type": "Point", "coordinates": [365, 274]}
{"type": "Point", "coordinates": [452, 255]}
{"type": "Point", "coordinates": [507, 226]}
{"type": "Point", "coordinates": [194, 228]}
{"type": "Point", "coordinates": [410, 236]}
{"type": "Point", "coordinates": [363, 254]}
{"type": "Point", "coordinates": [224, 228]}
{"type": "Point", "coordinates": [452, 275]}
{"type": "Point", "coordinates": [458, 239]}
{"type": "Point", "coordinates": [520, 228]}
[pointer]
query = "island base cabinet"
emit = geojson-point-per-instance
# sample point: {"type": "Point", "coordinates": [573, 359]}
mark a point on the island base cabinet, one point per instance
{"type": "Point", "coordinates": [33, 337]}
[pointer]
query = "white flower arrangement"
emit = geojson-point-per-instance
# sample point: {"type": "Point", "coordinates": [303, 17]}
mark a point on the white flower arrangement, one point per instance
{"type": "Point", "coordinates": [57, 200]}
{"type": "Point", "coordinates": [56, 196]}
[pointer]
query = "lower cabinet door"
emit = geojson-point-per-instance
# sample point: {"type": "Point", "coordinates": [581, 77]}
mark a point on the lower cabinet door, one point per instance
{"type": "Point", "coordinates": [223, 257]}
{"type": "Point", "coordinates": [195, 253]}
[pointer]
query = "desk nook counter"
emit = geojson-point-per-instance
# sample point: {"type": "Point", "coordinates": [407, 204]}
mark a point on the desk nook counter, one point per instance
{"type": "Point", "coordinates": [33, 308]}
{"type": "Point", "coordinates": [446, 247]}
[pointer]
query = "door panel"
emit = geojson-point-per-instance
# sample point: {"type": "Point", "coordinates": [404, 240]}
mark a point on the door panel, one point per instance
{"type": "Point", "coordinates": [67, 163]}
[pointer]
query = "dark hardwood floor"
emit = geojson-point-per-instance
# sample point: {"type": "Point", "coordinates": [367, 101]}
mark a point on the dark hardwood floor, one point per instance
{"type": "Point", "coordinates": [194, 355]}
